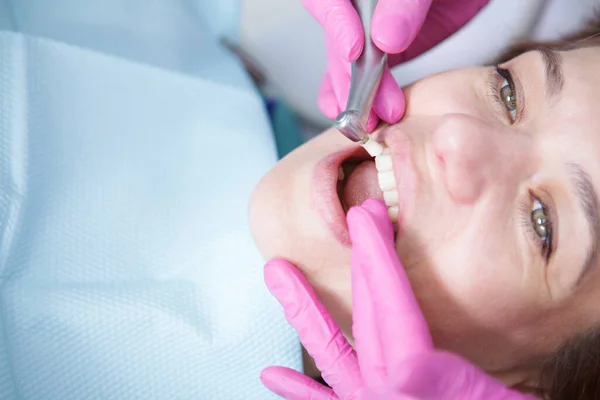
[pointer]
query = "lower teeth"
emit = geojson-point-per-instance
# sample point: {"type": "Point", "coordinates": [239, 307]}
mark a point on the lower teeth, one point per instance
{"type": "Point", "coordinates": [390, 196]}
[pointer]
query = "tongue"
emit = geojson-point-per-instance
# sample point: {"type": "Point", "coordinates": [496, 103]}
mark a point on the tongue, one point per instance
{"type": "Point", "coordinates": [361, 185]}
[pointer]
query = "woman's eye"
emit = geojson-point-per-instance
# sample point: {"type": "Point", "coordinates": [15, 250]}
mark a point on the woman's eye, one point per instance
{"type": "Point", "coordinates": [539, 219]}
{"type": "Point", "coordinates": [506, 95]}
{"type": "Point", "coordinates": [508, 98]}
{"type": "Point", "coordinates": [538, 223]}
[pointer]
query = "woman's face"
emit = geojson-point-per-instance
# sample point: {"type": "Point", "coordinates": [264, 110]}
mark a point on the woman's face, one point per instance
{"type": "Point", "coordinates": [478, 154]}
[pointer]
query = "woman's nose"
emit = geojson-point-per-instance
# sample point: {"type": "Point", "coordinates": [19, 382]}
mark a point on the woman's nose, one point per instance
{"type": "Point", "coordinates": [469, 154]}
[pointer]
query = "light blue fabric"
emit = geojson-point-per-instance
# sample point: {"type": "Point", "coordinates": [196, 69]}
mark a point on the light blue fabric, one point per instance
{"type": "Point", "coordinates": [179, 35]}
{"type": "Point", "coordinates": [127, 270]}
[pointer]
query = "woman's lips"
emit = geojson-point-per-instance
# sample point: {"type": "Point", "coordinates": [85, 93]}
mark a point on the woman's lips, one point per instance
{"type": "Point", "coordinates": [325, 177]}
{"type": "Point", "coordinates": [325, 196]}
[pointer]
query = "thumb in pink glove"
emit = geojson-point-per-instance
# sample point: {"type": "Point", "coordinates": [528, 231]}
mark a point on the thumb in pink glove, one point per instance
{"type": "Point", "coordinates": [394, 357]}
{"type": "Point", "coordinates": [402, 28]}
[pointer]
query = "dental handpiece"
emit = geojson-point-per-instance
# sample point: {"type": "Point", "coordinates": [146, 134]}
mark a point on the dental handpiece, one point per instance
{"type": "Point", "coordinates": [367, 71]}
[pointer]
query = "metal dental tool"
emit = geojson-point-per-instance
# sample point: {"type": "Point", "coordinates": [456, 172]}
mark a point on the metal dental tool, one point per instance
{"type": "Point", "coordinates": [367, 71]}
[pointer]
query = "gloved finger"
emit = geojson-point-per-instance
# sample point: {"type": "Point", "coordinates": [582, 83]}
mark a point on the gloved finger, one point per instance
{"type": "Point", "coordinates": [327, 101]}
{"type": "Point", "coordinates": [292, 385]}
{"type": "Point", "coordinates": [389, 103]}
{"type": "Point", "coordinates": [318, 332]}
{"type": "Point", "coordinates": [341, 24]}
{"type": "Point", "coordinates": [399, 322]}
{"type": "Point", "coordinates": [443, 19]}
{"type": "Point", "coordinates": [396, 23]}
{"type": "Point", "coordinates": [369, 351]}
{"type": "Point", "coordinates": [368, 345]}
{"type": "Point", "coordinates": [340, 73]}
{"type": "Point", "coordinates": [372, 122]}
{"type": "Point", "coordinates": [341, 88]}
{"type": "Point", "coordinates": [447, 376]}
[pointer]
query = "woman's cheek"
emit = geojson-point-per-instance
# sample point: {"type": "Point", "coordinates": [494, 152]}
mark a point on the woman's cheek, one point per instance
{"type": "Point", "coordinates": [443, 268]}
{"type": "Point", "coordinates": [267, 213]}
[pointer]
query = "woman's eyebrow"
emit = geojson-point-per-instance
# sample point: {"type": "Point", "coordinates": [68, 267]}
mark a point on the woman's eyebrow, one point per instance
{"type": "Point", "coordinates": [588, 201]}
{"type": "Point", "coordinates": [553, 71]}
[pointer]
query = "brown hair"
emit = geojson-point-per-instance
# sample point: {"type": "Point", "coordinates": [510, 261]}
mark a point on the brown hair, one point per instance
{"type": "Point", "coordinates": [571, 372]}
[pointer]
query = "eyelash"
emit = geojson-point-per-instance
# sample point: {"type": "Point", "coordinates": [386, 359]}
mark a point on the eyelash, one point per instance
{"type": "Point", "coordinates": [497, 77]}
{"type": "Point", "coordinates": [546, 245]}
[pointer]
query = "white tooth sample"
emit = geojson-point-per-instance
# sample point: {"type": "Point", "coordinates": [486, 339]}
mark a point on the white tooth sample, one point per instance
{"type": "Point", "coordinates": [373, 147]}
{"type": "Point", "coordinates": [341, 175]}
{"type": "Point", "coordinates": [393, 213]}
{"type": "Point", "coordinates": [390, 198]}
{"type": "Point", "coordinates": [387, 181]}
{"type": "Point", "coordinates": [383, 162]}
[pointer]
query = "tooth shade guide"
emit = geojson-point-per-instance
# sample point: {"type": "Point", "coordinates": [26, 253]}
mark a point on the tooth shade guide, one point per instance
{"type": "Point", "coordinates": [383, 162]}
{"type": "Point", "coordinates": [373, 147]}
{"type": "Point", "coordinates": [393, 213]}
{"type": "Point", "coordinates": [387, 181]}
{"type": "Point", "coordinates": [390, 197]}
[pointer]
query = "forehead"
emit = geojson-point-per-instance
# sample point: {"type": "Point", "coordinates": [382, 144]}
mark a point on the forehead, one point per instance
{"type": "Point", "coordinates": [569, 124]}
{"type": "Point", "coordinates": [573, 115]}
{"type": "Point", "coordinates": [582, 78]}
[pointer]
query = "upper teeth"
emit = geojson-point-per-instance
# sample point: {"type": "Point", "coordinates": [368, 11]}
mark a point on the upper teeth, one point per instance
{"type": "Point", "coordinates": [387, 183]}
{"type": "Point", "coordinates": [385, 177]}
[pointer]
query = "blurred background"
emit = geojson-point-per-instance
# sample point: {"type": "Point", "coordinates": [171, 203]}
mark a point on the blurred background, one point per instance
{"type": "Point", "coordinates": [289, 45]}
{"type": "Point", "coordinates": [281, 41]}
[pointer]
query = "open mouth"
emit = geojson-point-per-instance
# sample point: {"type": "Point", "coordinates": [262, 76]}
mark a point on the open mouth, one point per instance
{"type": "Point", "coordinates": [360, 177]}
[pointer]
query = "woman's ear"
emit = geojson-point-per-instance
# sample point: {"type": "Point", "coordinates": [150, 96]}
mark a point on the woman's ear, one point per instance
{"type": "Point", "coordinates": [525, 380]}
{"type": "Point", "coordinates": [532, 389]}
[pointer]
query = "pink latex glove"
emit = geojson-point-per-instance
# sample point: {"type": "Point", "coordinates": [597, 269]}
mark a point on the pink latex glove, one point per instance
{"type": "Point", "coordinates": [394, 357]}
{"type": "Point", "coordinates": [402, 28]}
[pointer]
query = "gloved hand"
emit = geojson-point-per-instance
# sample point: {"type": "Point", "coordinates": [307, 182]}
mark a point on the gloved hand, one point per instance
{"type": "Point", "coordinates": [402, 28]}
{"type": "Point", "coordinates": [394, 357]}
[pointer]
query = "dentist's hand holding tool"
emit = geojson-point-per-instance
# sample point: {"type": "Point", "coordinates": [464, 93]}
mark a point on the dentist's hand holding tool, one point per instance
{"type": "Point", "coordinates": [402, 28]}
{"type": "Point", "coordinates": [394, 357]}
